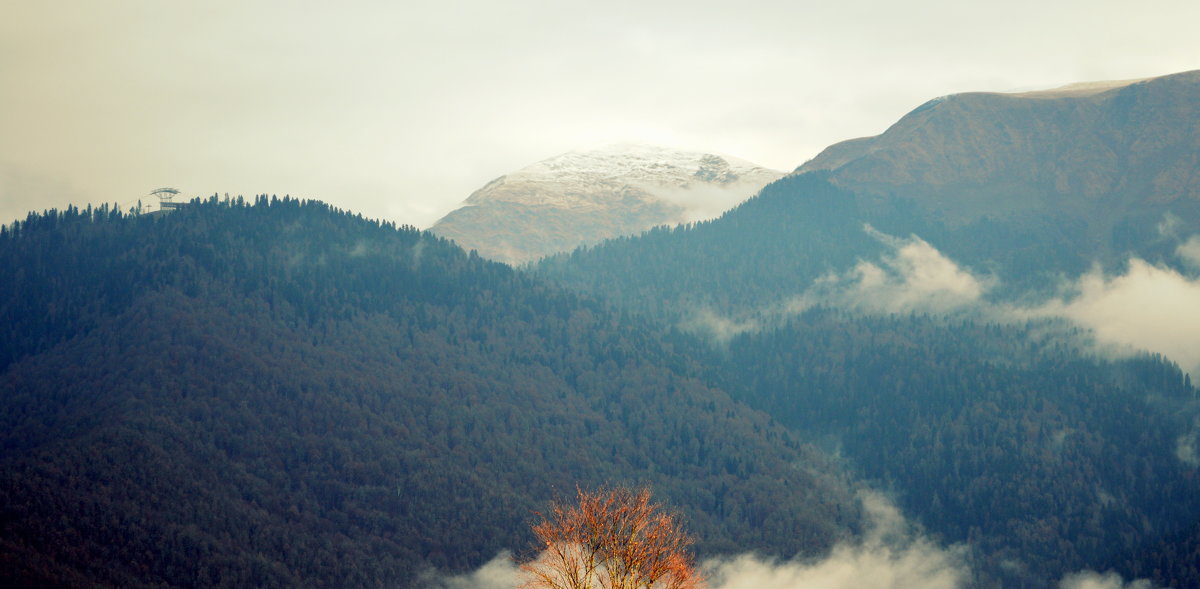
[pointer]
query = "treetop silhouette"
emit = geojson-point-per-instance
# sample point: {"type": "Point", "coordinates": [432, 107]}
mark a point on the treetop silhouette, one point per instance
{"type": "Point", "coordinates": [613, 539]}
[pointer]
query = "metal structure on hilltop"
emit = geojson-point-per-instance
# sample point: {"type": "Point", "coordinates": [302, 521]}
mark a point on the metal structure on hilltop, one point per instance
{"type": "Point", "coordinates": [165, 195]}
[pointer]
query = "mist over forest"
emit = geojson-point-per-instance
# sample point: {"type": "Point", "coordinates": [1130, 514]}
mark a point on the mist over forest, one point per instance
{"type": "Point", "coordinates": [960, 354]}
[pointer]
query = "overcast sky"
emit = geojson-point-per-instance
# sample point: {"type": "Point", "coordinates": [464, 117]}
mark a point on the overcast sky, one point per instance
{"type": "Point", "coordinates": [400, 109]}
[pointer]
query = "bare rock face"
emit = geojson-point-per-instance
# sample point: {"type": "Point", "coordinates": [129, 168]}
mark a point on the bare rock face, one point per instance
{"type": "Point", "coordinates": [583, 197]}
{"type": "Point", "coordinates": [1096, 150]}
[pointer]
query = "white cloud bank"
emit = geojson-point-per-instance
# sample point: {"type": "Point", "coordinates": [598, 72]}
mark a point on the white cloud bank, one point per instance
{"type": "Point", "coordinates": [1148, 307]}
{"type": "Point", "coordinates": [892, 555]}
{"type": "Point", "coordinates": [914, 276]}
{"type": "Point", "coordinates": [1189, 252]}
{"type": "Point", "coordinates": [719, 328]}
{"type": "Point", "coordinates": [499, 573]}
{"type": "Point", "coordinates": [1093, 580]}
{"type": "Point", "coordinates": [1186, 447]}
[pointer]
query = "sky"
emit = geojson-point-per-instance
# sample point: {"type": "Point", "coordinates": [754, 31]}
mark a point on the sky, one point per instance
{"type": "Point", "coordinates": [399, 110]}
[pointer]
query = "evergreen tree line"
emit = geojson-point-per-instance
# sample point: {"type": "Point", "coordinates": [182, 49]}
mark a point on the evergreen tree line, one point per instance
{"type": "Point", "coordinates": [277, 393]}
{"type": "Point", "coordinates": [1010, 438]}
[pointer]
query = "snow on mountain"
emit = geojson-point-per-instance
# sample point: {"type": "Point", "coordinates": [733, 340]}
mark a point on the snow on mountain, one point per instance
{"type": "Point", "coordinates": [583, 197]}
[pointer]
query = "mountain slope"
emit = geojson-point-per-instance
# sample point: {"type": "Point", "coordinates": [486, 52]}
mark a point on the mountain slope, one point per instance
{"type": "Point", "coordinates": [995, 437]}
{"type": "Point", "coordinates": [762, 253]}
{"type": "Point", "coordinates": [584, 197]}
{"type": "Point", "coordinates": [280, 394]}
{"type": "Point", "coordinates": [840, 300]}
{"type": "Point", "coordinates": [1027, 189]}
{"type": "Point", "coordinates": [931, 409]}
{"type": "Point", "coordinates": [1120, 157]}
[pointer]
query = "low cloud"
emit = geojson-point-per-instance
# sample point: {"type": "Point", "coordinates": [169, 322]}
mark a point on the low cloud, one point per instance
{"type": "Point", "coordinates": [885, 559]}
{"type": "Point", "coordinates": [719, 328]}
{"type": "Point", "coordinates": [891, 555]}
{"type": "Point", "coordinates": [499, 573]}
{"type": "Point", "coordinates": [1093, 580]}
{"type": "Point", "coordinates": [1189, 252]}
{"type": "Point", "coordinates": [701, 202]}
{"type": "Point", "coordinates": [1169, 226]}
{"type": "Point", "coordinates": [1148, 307]}
{"type": "Point", "coordinates": [914, 276]}
{"type": "Point", "coordinates": [1186, 447]}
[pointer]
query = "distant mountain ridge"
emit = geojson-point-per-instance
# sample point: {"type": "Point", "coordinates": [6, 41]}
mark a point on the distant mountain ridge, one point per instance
{"type": "Point", "coordinates": [583, 197]}
{"type": "Point", "coordinates": [1105, 152]}
{"type": "Point", "coordinates": [1028, 189]}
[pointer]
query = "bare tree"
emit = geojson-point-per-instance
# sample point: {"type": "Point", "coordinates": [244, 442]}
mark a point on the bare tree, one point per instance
{"type": "Point", "coordinates": [614, 539]}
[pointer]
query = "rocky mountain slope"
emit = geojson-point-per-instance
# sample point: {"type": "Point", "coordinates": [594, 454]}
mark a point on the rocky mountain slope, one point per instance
{"type": "Point", "coordinates": [583, 197]}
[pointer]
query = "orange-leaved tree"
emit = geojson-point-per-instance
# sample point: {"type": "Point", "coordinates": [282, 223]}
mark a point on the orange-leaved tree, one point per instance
{"type": "Point", "coordinates": [613, 539]}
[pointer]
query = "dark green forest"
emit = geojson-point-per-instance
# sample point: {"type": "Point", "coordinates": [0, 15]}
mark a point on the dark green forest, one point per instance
{"type": "Point", "coordinates": [990, 435]}
{"type": "Point", "coordinates": [278, 393]}
{"type": "Point", "coordinates": [803, 227]}
{"type": "Point", "coordinates": [1006, 437]}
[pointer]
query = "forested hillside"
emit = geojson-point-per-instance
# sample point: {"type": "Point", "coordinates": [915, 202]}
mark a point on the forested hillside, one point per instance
{"type": "Point", "coordinates": [1029, 190]}
{"type": "Point", "coordinates": [278, 394]}
{"type": "Point", "coordinates": [896, 333]}
{"type": "Point", "coordinates": [998, 437]}
{"type": "Point", "coordinates": [777, 246]}
{"type": "Point", "coordinates": [766, 250]}
{"type": "Point", "coordinates": [1006, 438]}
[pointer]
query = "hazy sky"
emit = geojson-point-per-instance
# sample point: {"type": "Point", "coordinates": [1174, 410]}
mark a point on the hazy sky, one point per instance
{"type": "Point", "coordinates": [401, 109]}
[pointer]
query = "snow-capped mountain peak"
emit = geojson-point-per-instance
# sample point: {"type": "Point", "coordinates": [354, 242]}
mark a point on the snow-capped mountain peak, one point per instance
{"type": "Point", "coordinates": [585, 196]}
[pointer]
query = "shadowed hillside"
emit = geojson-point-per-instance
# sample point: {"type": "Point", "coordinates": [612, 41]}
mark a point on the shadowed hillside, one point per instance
{"type": "Point", "coordinates": [281, 394]}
